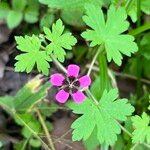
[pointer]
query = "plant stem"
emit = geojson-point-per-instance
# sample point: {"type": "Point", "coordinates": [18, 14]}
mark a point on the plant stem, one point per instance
{"type": "Point", "coordinates": [148, 146]}
{"type": "Point", "coordinates": [104, 79]}
{"type": "Point", "coordinates": [125, 130]}
{"type": "Point", "coordinates": [139, 62]}
{"type": "Point", "coordinates": [58, 64]}
{"type": "Point", "coordinates": [140, 29]}
{"type": "Point", "coordinates": [104, 147]}
{"type": "Point", "coordinates": [49, 139]}
{"type": "Point", "coordinates": [134, 146]}
{"type": "Point", "coordinates": [34, 133]}
{"type": "Point", "coordinates": [99, 50]}
{"type": "Point", "coordinates": [91, 96]}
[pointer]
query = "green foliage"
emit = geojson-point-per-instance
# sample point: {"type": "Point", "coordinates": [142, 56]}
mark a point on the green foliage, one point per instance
{"type": "Point", "coordinates": [31, 122]}
{"type": "Point", "coordinates": [92, 142]}
{"type": "Point", "coordinates": [35, 143]}
{"type": "Point", "coordinates": [144, 55]}
{"type": "Point", "coordinates": [33, 55]}
{"type": "Point", "coordinates": [59, 40]}
{"type": "Point", "coordinates": [47, 110]}
{"type": "Point", "coordinates": [14, 18]}
{"type": "Point", "coordinates": [26, 97]}
{"type": "Point", "coordinates": [71, 11]}
{"type": "Point", "coordinates": [95, 88]}
{"type": "Point", "coordinates": [4, 8]}
{"type": "Point", "coordinates": [32, 11]}
{"type": "Point", "coordinates": [97, 116]}
{"type": "Point", "coordinates": [47, 20]}
{"type": "Point", "coordinates": [19, 10]}
{"type": "Point", "coordinates": [142, 128]}
{"type": "Point", "coordinates": [109, 32]}
{"type": "Point", "coordinates": [132, 10]}
{"type": "Point", "coordinates": [131, 7]}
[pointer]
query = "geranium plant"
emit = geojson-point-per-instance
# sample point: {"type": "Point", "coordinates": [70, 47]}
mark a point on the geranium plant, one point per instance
{"type": "Point", "coordinates": [92, 96]}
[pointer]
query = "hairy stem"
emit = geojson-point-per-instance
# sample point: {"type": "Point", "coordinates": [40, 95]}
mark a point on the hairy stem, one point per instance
{"type": "Point", "coordinates": [139, 62]}
{"type": "Point", "coordinates": [125, 130]}
{"type": "Point", "coordinates": [99, 50]}
{"type": "Point", "coordinates": [34, 133]}
{"type": "Point", "coordinates": [49, 139]}
{"type": "Point", "coordinates": [91, 96]}
{"type": "Point", "coordinates": [58, 64]}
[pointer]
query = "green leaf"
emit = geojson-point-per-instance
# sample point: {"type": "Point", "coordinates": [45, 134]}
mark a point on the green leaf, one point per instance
{"type": "Point", "coordinates": [18, 5]}
{"type": "Point", "coordinates": [73, 17]}
{"type": "Point", "coordinates": [71, 10]}
{"type": "Point", "coordinates": [104, 117]}
{"type": "Point", "coordinates": [31, 13]}
{"type": "Point", "coordinates": [92, 142]}
{"type": "Point", "coordinates": [14, 18]}
{"type": "Point", "coordinates": [27, 97]}
{"type": "Point", "coordinates": [132, 10]}
{"type": "Point", "coordinates": [29, 121]}
{"type": "Point", "coordinates": [95, 88]}
{"type": "Point", "coordinates": [35, 126]}
{"type": "Point", "coordinates": [4, 10]}
{"type": "Point", "coordinates": [145, 6]}
{"type": "Point", "coordinates": [47, 20]}
{"type": "Point", "coordinates": [109, 32]}
{"type": "Point", "coordinates": [33, 55]}
{"type": "Point", "coordinates": [59, 41]}
{"type": "Point", "coordinates": [141, 133]}
{"type": "Point", "coordinates": [65, 4]}
{"type": "Point", "coordinates": [47, 110]}
{"type": "Point", "coordinates": [35, 143]}
{"type": "Point", "coordinates": [21, 145]}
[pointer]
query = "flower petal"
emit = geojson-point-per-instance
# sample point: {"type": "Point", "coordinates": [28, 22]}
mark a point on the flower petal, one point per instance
{"type": "Point", "coordinates": [78, 97]}
{"type": "Point", "coordinates": [62, 96]}
{"type": "Point", "coordinates": [57, 79]}
{"type": "Point", "coordinates": [85, 81]}
{"type": "Point", "coordinates": [73, 70]}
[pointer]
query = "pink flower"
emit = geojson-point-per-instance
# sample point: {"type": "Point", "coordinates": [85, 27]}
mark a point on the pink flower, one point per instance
{"type": "Point", "coordinates": [70, 85]}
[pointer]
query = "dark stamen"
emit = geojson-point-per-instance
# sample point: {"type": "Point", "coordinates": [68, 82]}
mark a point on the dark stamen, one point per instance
{"type": "Point", "coordinates": [65, 82]}
{"type": "Point", "coordinates": [76, 83]}
{"type": "Point", "coordinates": [67, 89]}
{"type": "Point", "coordinates": [74, 90]}
{"type": "Point", "coordinates": [71, 79]}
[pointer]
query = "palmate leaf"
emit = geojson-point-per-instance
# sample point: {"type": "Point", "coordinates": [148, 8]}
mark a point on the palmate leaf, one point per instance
{"type": "Point", "coordinates": [33, 55]}
{"type": "Point", "coordinates": [103, 117]}
{"type": "Point", "coordinates": [59, 40]}
{"type": "Point", "coordinates": [109, 32]}
{"type": "Point", "coordinates": [141, 133]}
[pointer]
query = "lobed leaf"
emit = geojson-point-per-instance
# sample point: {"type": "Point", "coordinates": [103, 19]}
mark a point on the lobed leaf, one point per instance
{"type": "Point", "coordinates": [59, 40]}
{"type": "Point", "coordinates": [103, 117]}
{"type": "Point", "coordinates": [109, 32]}
{"type": "Point", "coordinates": [33, 55]}
{"type": "Point", "coordinates": [141, 133]}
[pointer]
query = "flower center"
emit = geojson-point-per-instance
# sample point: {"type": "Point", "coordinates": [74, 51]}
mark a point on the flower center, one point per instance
{"type": "Point", "coordinates": [71, 85]}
